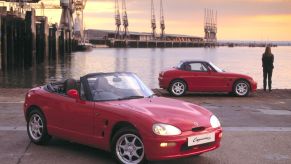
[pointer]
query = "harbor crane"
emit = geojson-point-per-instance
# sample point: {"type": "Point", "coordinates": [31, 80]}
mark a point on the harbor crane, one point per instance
{"type": "Point", "coordinates": [66, 21]}
{"type": "Point", "coordinates": [117, 20]}
{"type": "Point", "coordinates": [153, 20]}
{"type": "Point", "coordinates": [210, 25]}
{"type": "Point", "coordinates": [162, 20]}
{"type": "Point", "coordinates": [79, 6]}
{"type": "Point", "coordinates": [42, 6]}
{"type": "Point", "coordinates": [70, 7]}
{"type": "Point", "coordinates": [125, 19]}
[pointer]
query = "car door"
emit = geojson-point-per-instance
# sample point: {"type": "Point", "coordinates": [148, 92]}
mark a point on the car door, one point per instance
{"type": "Point", "coordinates": [217, 81]}
{"type": "Point", "coordinates": [197, 77]}
{"type": "Point", "coordinates": [79, 119]}
{"type": "Point", "coordinates": [54, 112]}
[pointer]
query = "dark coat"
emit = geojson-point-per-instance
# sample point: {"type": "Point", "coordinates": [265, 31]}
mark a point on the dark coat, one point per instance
{"type": "Point", "coordinates": [267, 61]}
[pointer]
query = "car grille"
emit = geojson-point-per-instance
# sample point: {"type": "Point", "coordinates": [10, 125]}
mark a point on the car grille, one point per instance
{"type": "Point", "coordinates": [185, 146]}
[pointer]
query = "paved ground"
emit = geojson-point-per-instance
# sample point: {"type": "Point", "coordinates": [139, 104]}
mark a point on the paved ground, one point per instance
{"type": "Point", "coordinates": [257, 129]}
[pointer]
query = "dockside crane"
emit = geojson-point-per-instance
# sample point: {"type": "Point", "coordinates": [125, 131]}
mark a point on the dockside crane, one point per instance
{"type": "Point", "coordinates": [210, 25]}
{"type": "Point", "coordinates": [153, 20]}
{"type": "Point", "coordinates": [42, 6]}
{"type": "Point", "coordinates": [125, 19]}
{"type": "Point", "coordinates": [79, 6]}
{"type": "Point", "coordinates": [117, 20]}
{"type": "Point", "coordinates": [66, 21]}
{"type": "Point", "coordinates": [162, 20]}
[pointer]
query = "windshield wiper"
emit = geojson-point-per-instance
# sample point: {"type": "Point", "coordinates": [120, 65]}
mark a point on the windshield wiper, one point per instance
{"type": "Point", "coordinates": [131, 97]}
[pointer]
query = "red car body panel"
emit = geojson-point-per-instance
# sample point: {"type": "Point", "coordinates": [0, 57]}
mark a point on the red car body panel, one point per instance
{"type": "Point", "coordinates": [92, 123]}
{"type": "Point", "coordinates": [180, 149]}
{"type": "Point", "coordinates": [209, 81]}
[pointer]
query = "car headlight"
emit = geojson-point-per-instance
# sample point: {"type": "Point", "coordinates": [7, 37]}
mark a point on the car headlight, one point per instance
{"type": "Point", "coordinates": [166, 130]}
{"type": "Point", "coordinates": [214, 122]}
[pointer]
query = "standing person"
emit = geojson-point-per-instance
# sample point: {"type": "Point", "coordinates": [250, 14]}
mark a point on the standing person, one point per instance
{"type": "Point", "coordinates": [268, 66]}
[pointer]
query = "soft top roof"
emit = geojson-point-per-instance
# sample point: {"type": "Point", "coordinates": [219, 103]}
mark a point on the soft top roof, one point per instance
{"type": "Point", "coordinates": [201, 61]}
{"type": "Point", "coordinates": [105, 73]}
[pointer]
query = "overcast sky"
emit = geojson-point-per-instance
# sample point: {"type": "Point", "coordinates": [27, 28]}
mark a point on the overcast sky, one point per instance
{"type": "Point", "coordinates": [237, 19]}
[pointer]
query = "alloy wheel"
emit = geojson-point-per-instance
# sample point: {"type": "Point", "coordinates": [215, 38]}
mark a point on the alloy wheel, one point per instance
{"type": "Point", "coordinates": [241, 88]}
{"type": "Point", "coordinates": [36, 127]}
{"type": "Point", "coordinates": [178, 88]}
{"type": "Point", "coordinates": [129, 149]}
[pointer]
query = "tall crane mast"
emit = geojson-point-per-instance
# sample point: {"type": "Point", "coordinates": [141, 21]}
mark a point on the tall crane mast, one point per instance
{"type": "Point", "coordinates": [153, 20]}
{"type": "Point", "coordinates": [117, 19]}
{"type": "Point", "coordinates": [210, 25]}
{"type": "Point", "coordinates": [66, 21]}
{"type": "Point", "coordinates": [162, 20]}
{"type": "Point", "coordinates": [125, 19]}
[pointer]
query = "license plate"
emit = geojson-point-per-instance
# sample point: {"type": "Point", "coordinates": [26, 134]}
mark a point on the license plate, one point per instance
{"type": "Point", "coordinates": [201, 139]}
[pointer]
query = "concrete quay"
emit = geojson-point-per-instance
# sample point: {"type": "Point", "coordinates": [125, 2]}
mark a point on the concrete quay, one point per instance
{"type": "Point", "coordinates": [257, 129]}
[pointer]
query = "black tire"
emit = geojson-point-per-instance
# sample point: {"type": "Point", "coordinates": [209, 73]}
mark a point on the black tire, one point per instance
{"type": "Point", "coordinates": [129, 147]}
{"type": "Point", "coordinates": [37, 128]}
{"type": "Point", "coordinates": [241, 88]}
{"type": "Point", "coordinates": [231, 94]}
{"type": "Point", "coordinates": [178, 88]}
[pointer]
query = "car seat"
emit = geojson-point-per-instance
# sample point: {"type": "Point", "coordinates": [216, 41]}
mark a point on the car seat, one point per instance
{"type": "Point", "coordinates": [101, 84]}
{"type": "Point", "coordinates": [187, 67]}
{"type": "Point", "coordinates": [70, 84]}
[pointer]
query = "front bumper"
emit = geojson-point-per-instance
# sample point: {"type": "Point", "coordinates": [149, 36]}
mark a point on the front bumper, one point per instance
{"type": "Point", "coordinates": [163, 82]}
{"type": "Point", "coordinates": [178, 145]}
{"type": "Point", "coordinates": [254, 86]}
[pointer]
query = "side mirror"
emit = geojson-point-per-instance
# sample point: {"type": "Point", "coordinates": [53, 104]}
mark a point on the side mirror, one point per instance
{"type": "Point", "coordinates": [73, 93]}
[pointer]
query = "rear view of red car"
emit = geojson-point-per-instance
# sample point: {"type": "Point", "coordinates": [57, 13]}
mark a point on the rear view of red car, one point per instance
{"type": "Point", "coordinates": [203, 76]}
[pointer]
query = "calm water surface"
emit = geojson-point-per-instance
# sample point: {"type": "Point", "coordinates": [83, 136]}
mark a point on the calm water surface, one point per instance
{"type": "Point", "coordinates": [147, 63]}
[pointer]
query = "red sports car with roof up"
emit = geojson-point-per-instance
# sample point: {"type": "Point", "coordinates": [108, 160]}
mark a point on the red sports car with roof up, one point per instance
{"type": "Point", "coordinates": [203, 76]}
{"type": "Point", "coordinates": [116, 112]}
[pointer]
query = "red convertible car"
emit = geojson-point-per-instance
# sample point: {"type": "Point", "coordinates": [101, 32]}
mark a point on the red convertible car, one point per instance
{"type": "Point", "coordinates": [116, 112]}
{"type": "Point", "coordinates": [202, 76]}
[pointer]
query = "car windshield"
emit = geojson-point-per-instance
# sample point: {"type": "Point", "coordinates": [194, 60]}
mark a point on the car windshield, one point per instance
{"type": "Point", "coordinates": [179, 66]}
{"type": "Point", "coordinates": [216, 68]}
{"type": "Point", "coordinates": [117, 86]}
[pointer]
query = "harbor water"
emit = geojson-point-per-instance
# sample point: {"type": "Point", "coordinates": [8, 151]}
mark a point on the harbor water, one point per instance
{"type": "Point", "coordinates": [147, 63]}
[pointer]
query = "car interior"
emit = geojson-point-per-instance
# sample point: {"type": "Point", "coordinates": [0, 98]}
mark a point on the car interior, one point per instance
{"type": "Point", "coordinates": [195, 67]}
{"type": "Point", "coordinates": [63, 87]}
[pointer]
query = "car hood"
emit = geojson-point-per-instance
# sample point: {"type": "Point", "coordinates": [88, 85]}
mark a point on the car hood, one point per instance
{"type": "Point", "coordinates": [181, 114]}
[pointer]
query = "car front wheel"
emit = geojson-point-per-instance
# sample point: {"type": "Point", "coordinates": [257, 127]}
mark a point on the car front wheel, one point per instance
{"type": "Point", "coordinates": [36, 128]}
{"type": "Point", "coordinates": [178, 88]}
{"type": "Point", "coordinates": [241, 88]}
{"type": "Point", "coordinates": [128, 147]}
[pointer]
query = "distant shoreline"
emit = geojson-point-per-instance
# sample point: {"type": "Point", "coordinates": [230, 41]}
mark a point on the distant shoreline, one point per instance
{"type": "Point", "coordinates": [105, 46]}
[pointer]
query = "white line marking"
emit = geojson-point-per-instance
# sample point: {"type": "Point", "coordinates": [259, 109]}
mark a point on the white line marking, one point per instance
{"type": "Point", "coordinates": [257, 129]}
{"type": "Point", "coordinates": [226, 129]}
{"type": "Point", "coordinates": [275, 112]}
{"type": "Point", "coordinates": [11, 128]}
{"type": "Point", "coordinates": [10, 102]}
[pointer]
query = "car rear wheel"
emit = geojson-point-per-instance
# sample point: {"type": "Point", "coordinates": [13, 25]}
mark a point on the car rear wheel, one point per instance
{"type": "Point", "coordinates": [128, 147]}
{"type": "Point", "coordinates": [241, 88]}
{"type": "Point", "coordinates": [36, 128]}
{"type": "Point", "coordinates": [178, 88]}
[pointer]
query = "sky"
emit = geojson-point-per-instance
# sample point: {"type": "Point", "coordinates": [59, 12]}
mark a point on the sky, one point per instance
{"type": "Point", "coordinates": [262, 20]}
